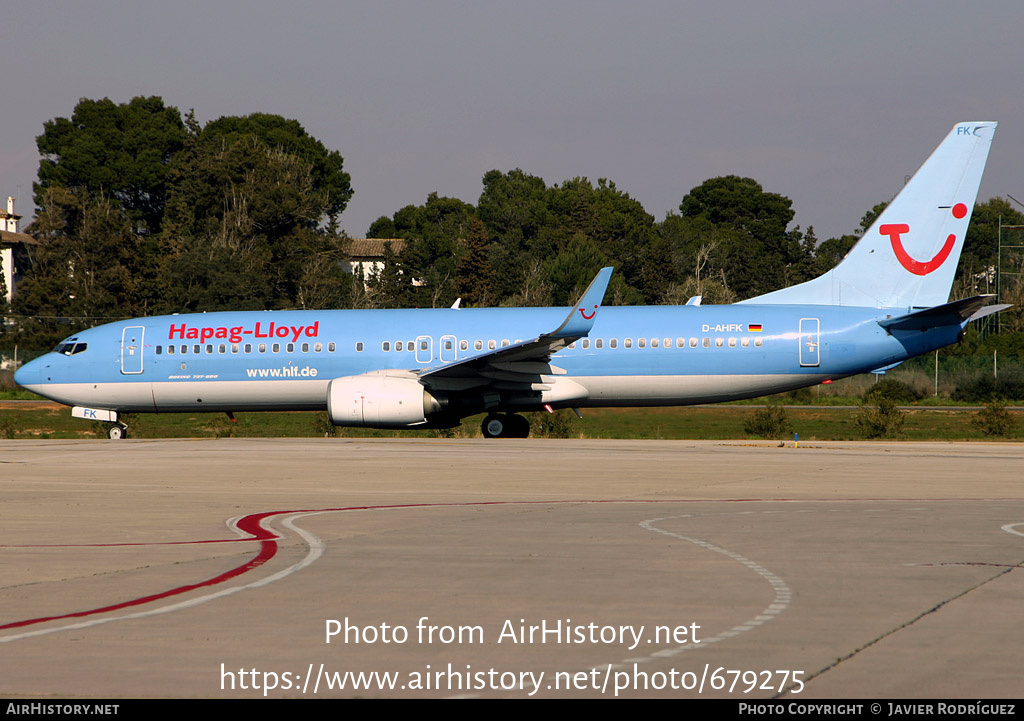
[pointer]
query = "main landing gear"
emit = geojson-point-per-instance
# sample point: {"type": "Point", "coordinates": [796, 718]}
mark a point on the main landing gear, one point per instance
{"type": "Point", "coordinates": [505, 425]}
{"type": "Point", "coordinates": [117, 431]}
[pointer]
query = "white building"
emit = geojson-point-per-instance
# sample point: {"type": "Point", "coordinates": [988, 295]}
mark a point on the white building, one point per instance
{"type": "Point", "coordinates": [10, 239]}
{"type": "Point", "coordinates": [366, 255]}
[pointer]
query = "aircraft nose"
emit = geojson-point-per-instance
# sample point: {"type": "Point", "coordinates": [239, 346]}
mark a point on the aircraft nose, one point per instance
{"type": "Point", "coordinates": [28, 375]}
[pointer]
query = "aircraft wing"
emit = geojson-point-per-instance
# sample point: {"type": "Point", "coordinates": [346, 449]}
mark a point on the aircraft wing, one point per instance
{"type": "Point", "coordinates": [524, 362]}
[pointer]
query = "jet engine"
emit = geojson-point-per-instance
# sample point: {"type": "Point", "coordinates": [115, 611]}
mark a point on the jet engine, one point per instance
{"type": "Point", "coordinates": [383, 399]}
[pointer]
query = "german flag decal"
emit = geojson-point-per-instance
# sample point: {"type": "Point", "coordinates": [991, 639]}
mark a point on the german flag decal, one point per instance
{"type": "Point", "coordinates": [754, 328]}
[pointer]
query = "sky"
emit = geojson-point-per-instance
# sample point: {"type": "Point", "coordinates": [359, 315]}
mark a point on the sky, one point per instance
{"type": "Point", "coordinates": [831, 104]}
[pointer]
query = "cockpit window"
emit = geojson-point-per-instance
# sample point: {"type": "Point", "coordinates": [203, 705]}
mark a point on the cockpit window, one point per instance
{"type": "Point", "coordinates": [69, 348]}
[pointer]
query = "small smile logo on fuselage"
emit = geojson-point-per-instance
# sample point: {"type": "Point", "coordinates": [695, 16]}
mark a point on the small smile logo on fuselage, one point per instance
{"type": "Point", "coordinates": [588, 317]}
{"type": "Point", "coordinates": [918, 267]}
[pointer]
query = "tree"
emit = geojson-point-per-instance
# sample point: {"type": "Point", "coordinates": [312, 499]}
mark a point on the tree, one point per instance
{"type": "Point", "coordinates": [762, 255]}
{"type": "Point", "coordinates": [122, 151]}
{"type": "Point", "coordinates": [513, 206]}
{"type": "Point", "coordinates": [474, 274]}
{"type": "Point", "coordinates": [250, 211]}
{"type": "Point", "coordinates": [435, 233]}
{"type": "Point", "coordinates": [290, 138]}
{"type": "Point", "coordinates": [742, 204]}
{"type": "Point", "coordinates": [86, 268]}
{"type": "Point", "coordinates": [869, 218]}
{"type": "Point", "coordinates": [981, 245]}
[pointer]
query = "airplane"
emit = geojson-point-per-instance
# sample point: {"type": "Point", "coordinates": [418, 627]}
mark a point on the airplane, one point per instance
{"type": "Point", "coordinates": [885, 302]}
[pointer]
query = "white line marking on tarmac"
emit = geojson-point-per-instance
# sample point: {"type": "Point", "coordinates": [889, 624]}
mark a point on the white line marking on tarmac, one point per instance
{"type": "Point", "coordinates": [783, 594]}
{"type": "Point", "coordinates": [1010, 528]}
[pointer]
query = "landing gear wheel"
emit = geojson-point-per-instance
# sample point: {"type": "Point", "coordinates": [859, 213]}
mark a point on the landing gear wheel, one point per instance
{"type": "Point", "coordinates": [117, 431]}
{"type": "Point", "coordinates": [505, 426]}
{"type": "Point", "coordinates": [519, 426]}
{"type": "Point", "coordinates": [495, 426]}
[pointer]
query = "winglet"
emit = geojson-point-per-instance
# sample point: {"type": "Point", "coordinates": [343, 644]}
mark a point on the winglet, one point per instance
{"type": "Point", "coordinates": [582, 316]}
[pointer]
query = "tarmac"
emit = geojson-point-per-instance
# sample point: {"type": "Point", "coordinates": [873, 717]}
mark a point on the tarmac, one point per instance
{"type": "Point", "coordinates": [510, 568]}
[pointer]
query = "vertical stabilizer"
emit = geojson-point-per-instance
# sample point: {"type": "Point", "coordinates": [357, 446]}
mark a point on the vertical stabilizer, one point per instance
{"type": "Point", "coordinates": [907, 258]}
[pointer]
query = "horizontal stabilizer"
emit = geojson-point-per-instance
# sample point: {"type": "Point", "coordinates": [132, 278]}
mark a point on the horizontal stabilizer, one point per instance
{"type": "Point", "coordinates": [989, 310]}
{"type": "Point", "coordinates": [881, 371]}
{"type": "Point", "coordinates": [955, 313]}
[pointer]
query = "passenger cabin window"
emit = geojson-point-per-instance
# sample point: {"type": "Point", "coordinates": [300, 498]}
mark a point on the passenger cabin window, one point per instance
{"type": "Point", "coordinates": [693, 342]}
{"type": "Point", "coordinates": [680, 342]}
{"type": "Point", "coordinates": [248, 347]}
{"type": "Point", "coordinates": [277, 348]}
{"type": "Point", "coordinates": [330, 347]}
{"type": "Point", "coordinates": [706, 342]}
{"type": "Point", "coordinates": [628, 342]}
{"type": "Point", "coordinates": [758, 342]}
{"type": "Point", "coordinates": [385, 346]}
{"type": "Point", "coordinates": [613, 343]}
{"type": "Point", "coordinates": [359, 347]}
{"type": "Point", "coordinates": [159, 349]}
{"type": "Point", "coordinates": [641, 342]}
{"type": "Point", "coordinates": [585, 343]}
{"type": "Point", "coordinates": [654, 342]}
{"type": "Point", "coordinates": [463, 345]}
{"type": "Point", "coordinates": [209, 348]}
{"type": "Point", "coordinates": [479, 345]}
{"type": "Point", "coordinates": [170, 350]}
{"type": "Point", "coordinates": [599, 343]}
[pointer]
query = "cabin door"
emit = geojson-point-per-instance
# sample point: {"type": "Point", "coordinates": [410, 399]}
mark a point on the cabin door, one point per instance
{"type": "Point", "coordinates": [809, 345]}
{"type": "Point", "coordinates": [131, 349]}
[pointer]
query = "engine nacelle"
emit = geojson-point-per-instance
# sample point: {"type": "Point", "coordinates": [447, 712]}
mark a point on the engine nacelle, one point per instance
{"type": "Point", "coordinates": [379, 399]}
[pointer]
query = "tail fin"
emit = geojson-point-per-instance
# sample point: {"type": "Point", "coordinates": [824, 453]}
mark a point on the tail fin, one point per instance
{"type": "Point", "coordinates": [907, 258]}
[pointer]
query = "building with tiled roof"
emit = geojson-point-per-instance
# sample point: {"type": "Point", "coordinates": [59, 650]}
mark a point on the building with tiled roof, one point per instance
{"type": "Point", "coordinates": [10, 241]}
{"type": "Point", "coordinates": [366, 255]}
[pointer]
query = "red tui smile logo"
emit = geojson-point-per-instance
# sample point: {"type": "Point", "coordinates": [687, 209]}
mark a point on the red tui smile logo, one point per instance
{"type": "Point", "coordinates": [918, 267]}
{"type": "Point", "coordinates": [588, 317]}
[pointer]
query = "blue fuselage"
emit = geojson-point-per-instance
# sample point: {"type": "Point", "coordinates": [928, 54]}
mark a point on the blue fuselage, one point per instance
{"type": "Point", "coordinates": [633, 356]}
